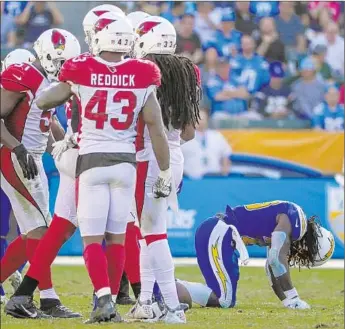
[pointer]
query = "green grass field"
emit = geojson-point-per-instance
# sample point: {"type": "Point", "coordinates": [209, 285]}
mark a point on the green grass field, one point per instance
{"type": "Point", "coordinates": [257, 306]}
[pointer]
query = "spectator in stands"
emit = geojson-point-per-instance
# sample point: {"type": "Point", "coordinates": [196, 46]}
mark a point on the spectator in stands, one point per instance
{"type": "Point", "coordinates": [308, 90]}
{"type": "Point", "coordinates": [329, 115]}
{"type": "Point", "coordinates": [10, 10]}
{"type": "Point", "coordinates": [290, 28]}
{"type": "Point", "coordinates": [188, 42]}
{"type": "Point", "coordinates": [324, 71]}
{"type": "Point", "coordinates": [251, 68]}
{"type": "Point", "coordinates": [226, 39]}
{"type": "Point", "coordinates": [341, 92]}
{"type": "Point", "coordinates": [245, 20]}
{"type": "Point", "coordinates": [263, 9]}
{"type": "Point", "coordinates": [274, 101]}
{"type": "Point", "coordinates": [332, 7]}
{"type": "Point", "coordinates": [175, 12]}
{"type": "Point", "coordinates": [318, 19]}
{"type": "Point", "coordinates": [209, 67]}
{"type": "Point", "coordinates": [227, 95]}
{"type": "Point", "coordinates": [269, 45]}
{"type": "Point", "coordinates": [335, 47]}
{"type": "Point", "coordinates": [206, 22]}
{"type": "Point", "coordinates": [207, 153]}
{"type": "Point", "coordinates": [38, 17]}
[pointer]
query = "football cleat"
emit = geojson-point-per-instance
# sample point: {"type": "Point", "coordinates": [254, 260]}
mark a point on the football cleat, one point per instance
{"type": "Point", "coordinates": [296, 304]}
{"type": "Point", "coordinates": [23, 307]}
{"type": "Point", "coordinates": [3, 300]}
{"type": "Point", "coordinates": [55, 309]}
{"type": "Point", "coordinates": [141, 311]}
{"type": "Point", "coordinates": [105, 311]}
{"type": "Point", "coordinates": [175, 316]}
{"type": "Point", "coordinates": [15, 280]}
{"type": "Point", "coordinates": [124, 300]}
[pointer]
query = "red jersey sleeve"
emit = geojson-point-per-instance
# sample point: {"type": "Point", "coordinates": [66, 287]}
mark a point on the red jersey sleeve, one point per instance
{"type": "Point", "coordinates": [69, 71]}
{"type": "Point", "coordinates": [150, 73]}
{"type": "Point", "coordinates": [21, 78]}
{"type": "Point", "coordinates": [198, 75]}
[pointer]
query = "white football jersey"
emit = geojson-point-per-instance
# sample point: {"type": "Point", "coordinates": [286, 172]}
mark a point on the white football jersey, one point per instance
{"type": "Point", "coordinates": [27, 122]}
{"type": "Point", "coordinates": [111, 96]}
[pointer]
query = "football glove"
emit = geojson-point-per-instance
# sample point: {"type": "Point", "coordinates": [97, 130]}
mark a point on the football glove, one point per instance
{"type": "Point", "coordinates": [162, 187]}
{"type": "Point", "coordinates": [26, 162]}
{"type": "Point", "coordinates": [62, 146]}
{"type": "Point", "coordinates": [296, 303]}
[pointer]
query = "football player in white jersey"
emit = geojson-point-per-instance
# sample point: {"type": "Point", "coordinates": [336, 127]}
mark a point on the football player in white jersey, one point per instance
{"type": "Point", "coordinates": [113, 93]}
{"type": "Point", "coordinates": [65, 153]}
{"type": "Point", "coordinates": [24, 136]}
{"type": "Point", "coordinates": [179, 99]}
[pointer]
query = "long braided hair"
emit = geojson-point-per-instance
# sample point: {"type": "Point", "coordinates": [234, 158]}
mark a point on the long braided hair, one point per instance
{"type": "Point", "coordinates": [304, 251]}
{"type": "Point", "coordinates": [179, 94]}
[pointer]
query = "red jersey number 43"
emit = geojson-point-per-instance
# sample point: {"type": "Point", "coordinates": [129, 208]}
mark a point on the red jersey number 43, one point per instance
{"type": "Point", "coordinates": [96, 109]}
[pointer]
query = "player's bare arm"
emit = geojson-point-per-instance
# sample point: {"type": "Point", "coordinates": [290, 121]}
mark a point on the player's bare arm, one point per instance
{"type": "Point", "coordinates": [9, 100]}
{"type": "Point", "coordinates": [54, 96]}
{"type": "Point", "coordinates": [188, 133]}
{"type": "Point", "coordinates": [152, 116]}
{"type": "Point", "coordinates": [75, 115]}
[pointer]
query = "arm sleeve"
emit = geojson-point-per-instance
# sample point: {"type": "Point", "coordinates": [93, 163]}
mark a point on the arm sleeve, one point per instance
{"type": "Point", "coordinates": [69, 72]}
{"type": "Point", "coordinates": [16, 78]}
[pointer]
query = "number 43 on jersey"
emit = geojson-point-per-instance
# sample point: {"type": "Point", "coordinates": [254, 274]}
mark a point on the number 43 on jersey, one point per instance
{"type": "Point", "coordinates": [96, 109]}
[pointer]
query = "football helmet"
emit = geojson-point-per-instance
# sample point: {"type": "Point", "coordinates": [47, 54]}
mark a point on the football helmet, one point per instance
{"type": "Point", "coordinates": [136, 17]}
{"type": "Point", "coordinates": [53, 47]}
{"type": "Point", "coordinates": [17, 56]}
{"type": "Point", "coordinates": [326, 247]}
{"type": "Point", "coordinates": [91, 18]}
{"type": "Point", "coordinates": [114, 33]}
{"type": "Point", "coordinates": [154, 35]}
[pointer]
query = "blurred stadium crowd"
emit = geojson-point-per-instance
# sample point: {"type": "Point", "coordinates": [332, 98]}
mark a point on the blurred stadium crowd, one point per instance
{"type": "Point", "coordinates": [259, 60]}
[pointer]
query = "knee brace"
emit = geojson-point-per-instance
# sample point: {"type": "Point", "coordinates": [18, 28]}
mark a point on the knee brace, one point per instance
{"type": "Point", "coordinates": [278, 239]}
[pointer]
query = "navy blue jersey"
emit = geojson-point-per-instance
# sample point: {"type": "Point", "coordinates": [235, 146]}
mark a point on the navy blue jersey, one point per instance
{"type": "Point", "coordinates": [256, 222]}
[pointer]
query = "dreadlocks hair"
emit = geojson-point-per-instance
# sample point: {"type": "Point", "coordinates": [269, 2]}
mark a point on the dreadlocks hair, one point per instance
{"type": "Point", "coordinates": [304, 251]}
{"type": "Point", "coordinates": [179, 93]}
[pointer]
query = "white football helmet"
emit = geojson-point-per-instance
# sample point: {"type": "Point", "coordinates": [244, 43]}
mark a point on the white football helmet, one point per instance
{"type": "Point", "coordinates": [155, 35]}
{"type": "Point", "coordinates": [17, 56]}
{"type": "Point", "coordinates": [93, 15]}
{"type": "Point", "coordinates": [136, 17]}
{"type": "Point", "coordinates": [114, 33]}
{"type": "Point", "coordinates": [53, 48]}
{"type": "Point", "coordinates": [326, 247]}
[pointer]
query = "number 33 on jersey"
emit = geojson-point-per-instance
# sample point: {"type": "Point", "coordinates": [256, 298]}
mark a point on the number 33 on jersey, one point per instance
{"type": "Point", "coordinates": [111, 97]}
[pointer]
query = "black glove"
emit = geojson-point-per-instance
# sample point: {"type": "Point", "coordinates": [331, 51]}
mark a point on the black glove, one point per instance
{"type": "Point", "coordinates": [26, 162]}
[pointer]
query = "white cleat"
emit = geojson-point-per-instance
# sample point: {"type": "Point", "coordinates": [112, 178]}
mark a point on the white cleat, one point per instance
{"type": "Point", "coordinates": [141, 311]}
{"type": "Point", "coordinates": [297, 304]}
{"type": "Point", "coordinates": [3, 301]}
{"type": "Point", "coordinates": [175, 317]}
{"type": "Point", "coordinates": [15, 280]}
{"type": "Point", "coordinates": [159, 313]}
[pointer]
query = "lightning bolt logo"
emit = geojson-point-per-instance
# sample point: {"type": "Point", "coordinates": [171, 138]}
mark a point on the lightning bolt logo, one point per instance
{"type": "Point", "coordinates": [216, 259]}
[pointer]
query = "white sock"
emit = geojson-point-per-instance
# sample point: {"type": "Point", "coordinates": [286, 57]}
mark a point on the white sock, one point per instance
{"type": "Point", "coordinates": [103, 292]}
{"type": "Point", "coordinates": [147, 277]}
{"type": "Point", "coordinates": [114, 298]}
{"type": "Point", "coordinates": [291, 293]}
{"type": "Point", "coordinates": [49, 293]}
{"type": "Point", "coordinates": [163, 269]}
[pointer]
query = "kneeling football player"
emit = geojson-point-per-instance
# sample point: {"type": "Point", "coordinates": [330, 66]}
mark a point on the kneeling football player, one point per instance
{"type": "Point", "coordinates": [291, 238]}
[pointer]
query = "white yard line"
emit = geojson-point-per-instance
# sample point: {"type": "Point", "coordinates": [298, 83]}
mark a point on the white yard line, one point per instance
{"type": "Point", "coordinates": [254, 262]}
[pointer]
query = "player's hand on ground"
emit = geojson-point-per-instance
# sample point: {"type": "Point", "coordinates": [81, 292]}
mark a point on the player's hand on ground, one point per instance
{"type": "Point", "coordinates": [26, 162]}
{"type": "Point", "coordinates": [62, 146]}
{"type": "Point", "coordinates": [296, 303]}
{"type": "Point", "coordinates": [162, 186]}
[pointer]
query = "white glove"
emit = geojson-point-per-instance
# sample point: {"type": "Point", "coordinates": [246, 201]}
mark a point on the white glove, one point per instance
{"type": "Point", "coordinates": [63, 145]}
{"type": "Point", "coordinates": [296, 303]}
{"type": "Point", "coordinates": [162, 187]}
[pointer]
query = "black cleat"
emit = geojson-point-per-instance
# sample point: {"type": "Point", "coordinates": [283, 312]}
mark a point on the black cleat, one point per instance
{"type": "Point", "coordinates": [55, 309]}
{"type": "Point", "coordinates": [105, 311]}
{"type": "Point", "coordinates": [23, 307]}
{"type": "Point", "coordinates": [124, 300]}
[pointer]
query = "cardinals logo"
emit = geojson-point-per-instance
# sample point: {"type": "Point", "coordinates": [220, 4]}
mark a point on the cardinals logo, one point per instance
{"type": "Point", "coordinates": [100, 12]}
{"type": "Point", "coordinates": [103, 23]}
{"type": "Point", "coordinates": [58, 40]}
{"type": "Point", "coordinates": [146, 27]}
